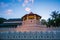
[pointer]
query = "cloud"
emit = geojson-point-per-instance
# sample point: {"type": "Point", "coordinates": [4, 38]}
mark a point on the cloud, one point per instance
{"type": "Point", "coordinates": [27, 9]}
{"type": "Point", "coordinates": [26, 2]}
{"type": "Point", "coordinates": [9, 11]}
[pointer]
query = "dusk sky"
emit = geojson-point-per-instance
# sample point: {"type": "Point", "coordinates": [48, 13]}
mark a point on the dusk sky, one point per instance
{"type": "Point", "coordinates": [18, 8]}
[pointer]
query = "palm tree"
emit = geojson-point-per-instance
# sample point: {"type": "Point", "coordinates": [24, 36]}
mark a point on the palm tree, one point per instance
{"type": "Point", "coordinates": [55, 21]}
{"type": "Point", "coordinates": [54, 14]}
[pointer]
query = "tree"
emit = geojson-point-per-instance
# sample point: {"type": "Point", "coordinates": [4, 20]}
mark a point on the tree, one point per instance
{"type": "Point", "coordinates": [54, 14]}
{"type": "Point", "coordinates": [59, 15]}
{"type": "Point", "coordinates": [43, 22]}
{"type": "Point", "coordinates": [2, 20]}
{"type": "Point", "coordinates": [55, 21]}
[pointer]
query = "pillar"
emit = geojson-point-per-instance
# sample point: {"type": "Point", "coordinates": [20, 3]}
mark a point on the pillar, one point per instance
{"type": "Point", "coordinates": [35, 17]}
{"type": "Point", "coordinates": [27, 17]}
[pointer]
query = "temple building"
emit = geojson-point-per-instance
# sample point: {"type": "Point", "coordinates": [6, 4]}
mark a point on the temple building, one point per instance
{"type": "Point", "coordinates": [31, 22]}
{"type": "Point", "coordinates": [30, 29]}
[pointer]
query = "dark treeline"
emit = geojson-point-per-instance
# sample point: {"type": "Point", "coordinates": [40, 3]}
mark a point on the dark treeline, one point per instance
{"type": "Point", "coordinates": [2, 20]}
{"type": "Point", "coordinates": [53, 21]}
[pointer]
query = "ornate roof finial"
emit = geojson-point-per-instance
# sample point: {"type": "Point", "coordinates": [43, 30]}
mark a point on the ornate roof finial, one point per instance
{"type": "Point", "coordinates": [31, 13]}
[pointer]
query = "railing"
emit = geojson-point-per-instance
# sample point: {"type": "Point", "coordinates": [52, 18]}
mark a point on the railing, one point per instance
{"type": "Point", "coordinates": [30, 35]}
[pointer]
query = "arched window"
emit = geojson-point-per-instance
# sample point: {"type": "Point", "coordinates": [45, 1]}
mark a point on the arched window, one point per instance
{"type": "Point", "coordinates": [24, 36]}
{"type": "Point", "coordinates": [52, 36]}
{"type": "Point", "coordinates": [8, 37]}
{"type": "Point", "coordinates": [30, 36]}
{"type": "Point", "coordinates": [36, 36]}
{"type": "Point", "coordinates": [47, 36]}
{"type": "Point", "coordinates": [19, 36]}
{"type": "Point", "coordinates": [41, 36]}
{"type": "Point", "coordinates": [13, 36]}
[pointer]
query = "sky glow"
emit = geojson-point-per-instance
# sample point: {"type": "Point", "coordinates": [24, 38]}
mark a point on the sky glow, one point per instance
{"type": "Point", "coordinates": [18, 8]}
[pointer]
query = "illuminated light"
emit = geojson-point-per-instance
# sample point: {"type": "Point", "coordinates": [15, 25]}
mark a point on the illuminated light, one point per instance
{"type": "Point", "coordinates": [30, 16]}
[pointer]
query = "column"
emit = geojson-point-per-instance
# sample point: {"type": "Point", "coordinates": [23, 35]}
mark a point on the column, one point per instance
{"type": "Point", "coordinates": [35, 17]}
{"type": "Point", "coordinates": [27, 17]}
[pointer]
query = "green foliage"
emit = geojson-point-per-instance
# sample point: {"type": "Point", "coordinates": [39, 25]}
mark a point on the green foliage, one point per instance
{"type": "Point", "coordinates": [55, 21]}
{"type": "Point", "coordinates": [2, 20]}
{"type": "Point", "coordinates": [54, 14]}
{"type": "Point", "coordinates": [43, 22]}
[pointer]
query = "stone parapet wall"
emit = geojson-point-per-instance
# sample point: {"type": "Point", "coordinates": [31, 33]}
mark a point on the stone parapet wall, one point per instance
{"type": "Point", "coordinates": [30, 35]}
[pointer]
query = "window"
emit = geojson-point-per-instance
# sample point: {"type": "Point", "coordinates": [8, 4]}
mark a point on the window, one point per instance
{"type": "Point", "coordinates": [47, 36]}
{"type": "Point", "coordinates": [36, 36]}
{"type": "Point", "coordinates": [41, 36]}
{"type": "Point", "coordinates": [13, 36]}
{"type": "Point", "coordinates": [30, 36]}
{"type": "Point", "coordinates": [24, 36]}
{"type": "Point", "coordinates": [8, 36]}
{"type": "Point", "coordinates": [19, 36]}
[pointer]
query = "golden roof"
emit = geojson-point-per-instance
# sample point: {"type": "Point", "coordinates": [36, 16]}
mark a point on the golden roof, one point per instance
{"type": "Point", "coordinates": [31, 13]}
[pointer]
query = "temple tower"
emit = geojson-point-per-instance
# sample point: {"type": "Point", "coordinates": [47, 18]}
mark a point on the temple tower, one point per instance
{"type": "Point", "coordinates": [31, 19]}
{"type": "Point", "coordinates": [31, 22]}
